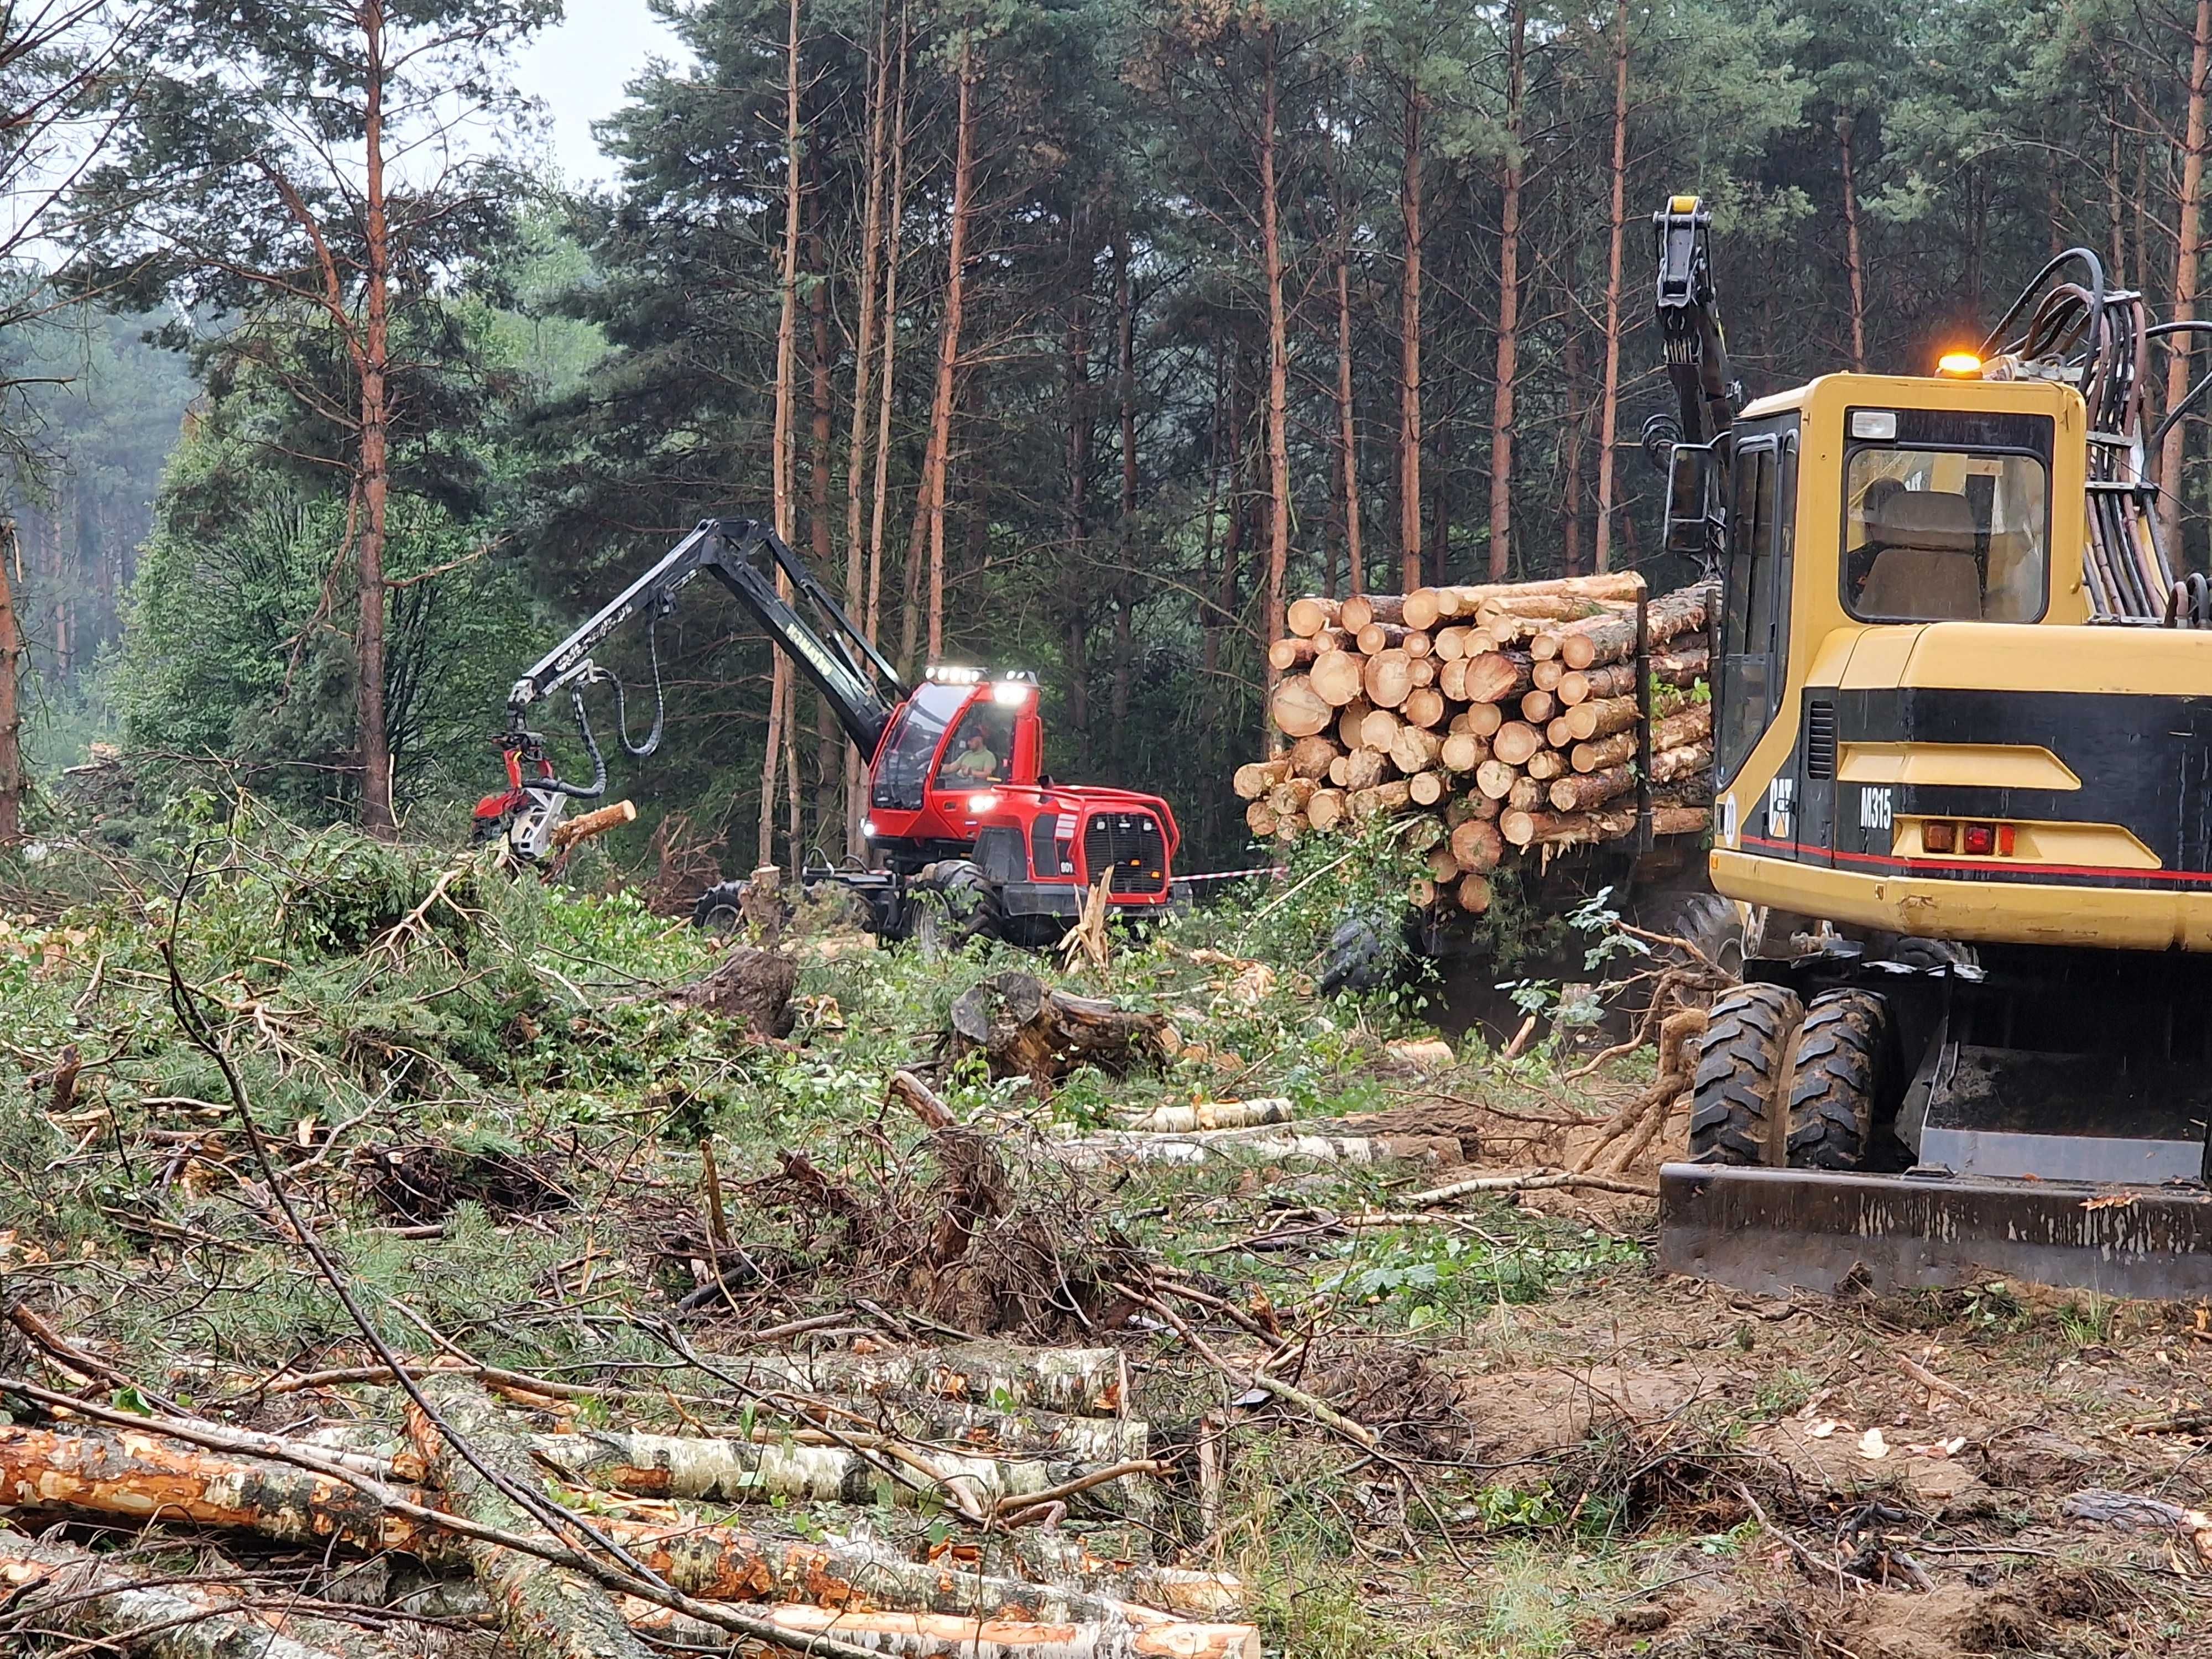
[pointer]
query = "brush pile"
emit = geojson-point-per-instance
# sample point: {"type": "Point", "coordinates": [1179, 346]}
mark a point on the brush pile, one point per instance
{"type": "Point", "coordinates": [1511, 718]}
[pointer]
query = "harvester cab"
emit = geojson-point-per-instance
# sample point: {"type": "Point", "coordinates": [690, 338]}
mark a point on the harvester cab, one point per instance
{"type": "Point", "coordinates": [971, 836]}
{"type": "Point", "coordinates": [1963, 741]}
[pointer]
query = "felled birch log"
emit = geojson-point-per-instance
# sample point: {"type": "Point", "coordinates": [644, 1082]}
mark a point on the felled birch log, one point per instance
{"type": "Point", "coordinates": [546, 1612]}
{"type": "Point", "coordinates": [730, 1471]}
{"type": "Point", "coordinates": [54, 1586]}
{"type": "Point", "coordinates": [145, 1477]}
{"type": "Point", "coordinates": [1213, 1115]}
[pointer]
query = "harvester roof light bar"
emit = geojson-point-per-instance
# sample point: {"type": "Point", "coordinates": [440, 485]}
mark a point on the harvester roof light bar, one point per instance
{"type": "Point", "coordinates": [946, 673]}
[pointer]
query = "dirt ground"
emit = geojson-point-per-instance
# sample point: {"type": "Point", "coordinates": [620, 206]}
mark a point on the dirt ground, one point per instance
{"type": "Point", "coordinates": [1732, 1475]}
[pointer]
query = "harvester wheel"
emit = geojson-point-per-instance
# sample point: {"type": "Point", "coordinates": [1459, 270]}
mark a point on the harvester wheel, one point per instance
{"type": "Point", "coordinates": [720, 908]}
{"type": "Point", "coordinates": [1733, 1103]}
{"type": "Point", "coordinates": [956, 908]}
{"type": "Point", "coordinates": [1841, 1052]}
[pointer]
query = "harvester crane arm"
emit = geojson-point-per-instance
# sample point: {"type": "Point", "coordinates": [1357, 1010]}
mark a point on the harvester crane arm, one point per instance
{"type": "Point", "coordinates": [728, 550]}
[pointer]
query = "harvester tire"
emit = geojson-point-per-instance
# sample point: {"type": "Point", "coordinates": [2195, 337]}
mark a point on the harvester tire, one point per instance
{"type": "Point", "coordinates": [956, 906]}
{"type": "Point", "coordinates": [1842, 1050]}
{"type": "Point", "coordinates": [720, 908]}
{"type": "Point", "coordinates": [1739, 1063]}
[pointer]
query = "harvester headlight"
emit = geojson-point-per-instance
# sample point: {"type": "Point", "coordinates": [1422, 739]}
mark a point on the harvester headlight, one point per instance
{"type": "Point", "coordinates": [1012, 694]}
{"type": "Point", "coordinates": [978, 805]}
{"type": "Point", "coordinates": [868, 828]}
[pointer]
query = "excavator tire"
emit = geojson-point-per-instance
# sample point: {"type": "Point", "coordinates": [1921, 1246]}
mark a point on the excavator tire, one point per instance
{"type": "Point", "coordinates": [1711, 924]}
{"type": "Point", "coordinates": [1932, 953]}
{"type": "Point", "coordinates": [1739, 1063]}
{"type": "Point", "coordinates": [718, 909]}
{"type": "Point", "coordinates": [956, 906]}
{"type": "Point", "coordinates": [1842, 1054]}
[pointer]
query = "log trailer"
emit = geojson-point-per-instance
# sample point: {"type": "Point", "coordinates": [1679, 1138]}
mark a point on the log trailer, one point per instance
{"type": "Point", "coordinates": [1963, 735]}
{"type": "Point", "coordinates": [971, 835]}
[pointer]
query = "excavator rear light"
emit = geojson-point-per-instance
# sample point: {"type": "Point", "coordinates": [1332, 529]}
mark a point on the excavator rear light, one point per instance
{"type": "Point", "coordinates": [1938, 836]}
{"type": "Point", "coordinates": [1959, 365]}
{"type": "Point", "coordinates": [2004, 840]}
{"type": "Point", "coordinates": [1979, 839]}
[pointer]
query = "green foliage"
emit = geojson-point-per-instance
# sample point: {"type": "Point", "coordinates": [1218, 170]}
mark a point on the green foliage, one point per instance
{"type": "Point", "coordinates": [1428, 1277]}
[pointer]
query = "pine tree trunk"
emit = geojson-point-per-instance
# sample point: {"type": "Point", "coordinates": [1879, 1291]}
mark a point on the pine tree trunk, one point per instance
{"type": "Point", "coordinates": [856, 444]}
{"type": "Point", "coordinates": [374, 737]}
{"type": "Point", "coordinates": [11, 719]}
{"type": "Point", "coordinates": [1609, 397]}
{"type": "Point", "coordinates": [1209, 632]}
{"type": "Point", "coordinates": [1347, 429]}
{"type": "Point", "coordinates": [2189, 248]}
{"type": "Point", "coordinates": [1854, 263]}
{"type": "Point", "coordinates": [1571, 441]}
{"type": "Point", "coordinates": [1508, 301]}
{"type": "Point", "coordinates": [1278, 351]}
{"type": "Point", "coordinates": [827, 750]}
{"type": "Point", "coordinates": [786, 370]}
{"type": "Point", "coordinates": [948, 350]}
{"type": "Point", "coordinates": [1076, 519]}
{"type": "Point", "coordinates": [1125, 319]}
{"type": "Point", "coordinates": [887, 382]}
{"type": "Point", "coordinates": [1409, 352]}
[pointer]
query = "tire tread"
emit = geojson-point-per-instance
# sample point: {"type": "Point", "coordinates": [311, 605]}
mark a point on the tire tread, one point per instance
{"type": "Point", "coordinates": [1738, 1061]}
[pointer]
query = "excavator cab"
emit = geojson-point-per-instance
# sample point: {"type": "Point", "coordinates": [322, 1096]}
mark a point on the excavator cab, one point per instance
{"type": "Point", "coordinates": [1963, 745]}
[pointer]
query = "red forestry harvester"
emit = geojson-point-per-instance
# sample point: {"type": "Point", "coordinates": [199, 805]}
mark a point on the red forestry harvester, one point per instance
{"type": "Point", "coordinates": [972, 836]}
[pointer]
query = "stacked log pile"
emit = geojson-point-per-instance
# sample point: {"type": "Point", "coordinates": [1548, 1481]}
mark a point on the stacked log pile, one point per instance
{"type": "Point", "coordinates": [618, 1562]}
{"type": "Point", "coordinates": [1501, 719]}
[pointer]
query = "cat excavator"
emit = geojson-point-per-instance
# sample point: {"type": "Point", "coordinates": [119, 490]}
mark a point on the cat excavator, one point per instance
{"type": "Point", "coordinates": [1963, 736]}
{"type": "Point", "coordinates": [971, 837]}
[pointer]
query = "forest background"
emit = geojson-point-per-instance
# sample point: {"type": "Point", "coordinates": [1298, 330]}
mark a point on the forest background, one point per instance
{"type": "Point", "coordinates": [1068, 334]}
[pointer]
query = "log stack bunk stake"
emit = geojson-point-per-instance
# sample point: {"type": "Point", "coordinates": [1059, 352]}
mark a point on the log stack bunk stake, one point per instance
{"type": "Point", "coordinates": [1497, 720]}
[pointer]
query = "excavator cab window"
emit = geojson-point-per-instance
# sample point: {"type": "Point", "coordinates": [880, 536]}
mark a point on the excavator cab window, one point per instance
{"type": "Point", "coordinates": [1755, 624]}
{"type": "Point", "coordinates": [1939, 533]}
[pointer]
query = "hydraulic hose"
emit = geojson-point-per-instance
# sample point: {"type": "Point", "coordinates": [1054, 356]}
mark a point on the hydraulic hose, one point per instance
{"type": "Point", "coordinates": [598, 786]}
{"type": "Point", "coordinates": [659, 699]}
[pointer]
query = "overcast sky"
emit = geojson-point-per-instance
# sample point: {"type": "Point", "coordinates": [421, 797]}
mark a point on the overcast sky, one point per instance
{"type": "Point", "coordinates": [580, 69]}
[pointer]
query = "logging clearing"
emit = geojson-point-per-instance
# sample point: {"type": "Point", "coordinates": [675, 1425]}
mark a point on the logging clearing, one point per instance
{"type": "Point", "coordinates": [404, 1259]}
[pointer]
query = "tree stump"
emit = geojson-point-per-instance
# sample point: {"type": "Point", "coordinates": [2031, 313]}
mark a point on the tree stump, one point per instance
{"type": "Point", "coordinates": [752, 987]}
{"type": "Point", "coordinates": [1024, 1029]}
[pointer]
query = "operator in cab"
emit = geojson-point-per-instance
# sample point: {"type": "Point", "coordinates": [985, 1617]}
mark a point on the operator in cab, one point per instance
{"type": "Point", "coordinates": [974, 763]}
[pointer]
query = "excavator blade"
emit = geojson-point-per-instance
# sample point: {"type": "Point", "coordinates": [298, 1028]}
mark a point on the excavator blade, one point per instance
{"type": "Point", "coordinates": [1769, 1230]}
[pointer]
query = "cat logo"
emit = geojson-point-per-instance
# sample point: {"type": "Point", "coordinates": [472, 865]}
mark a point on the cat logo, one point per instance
{"type": "Point", "coordinates": [1780, 802]}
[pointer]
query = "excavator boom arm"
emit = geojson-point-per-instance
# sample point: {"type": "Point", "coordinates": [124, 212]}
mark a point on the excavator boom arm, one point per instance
{"type": "Point", "coordinates": [1688, 304]}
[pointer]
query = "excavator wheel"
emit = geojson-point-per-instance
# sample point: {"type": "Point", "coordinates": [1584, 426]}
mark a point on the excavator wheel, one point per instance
{"type": "Point", "coordinates": [956, 906]}
{"type": "Point", "coordinates": [1841, 1061]}
{"type": "Point", "coordinates": [719, 909]}
{"type": "Point", "coordinates": [1931, 953]}
{"type": "Point", "coordinates": [1711, 924]}
{"type": "Point", "coordinates": [1740, 1065]}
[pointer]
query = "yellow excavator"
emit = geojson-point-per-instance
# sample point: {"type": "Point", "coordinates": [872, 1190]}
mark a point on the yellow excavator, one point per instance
{"type": "Point", "coordinates": [1963, 738]}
